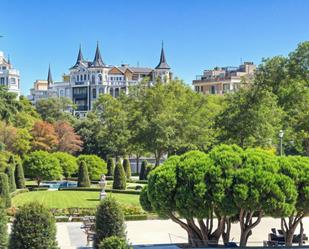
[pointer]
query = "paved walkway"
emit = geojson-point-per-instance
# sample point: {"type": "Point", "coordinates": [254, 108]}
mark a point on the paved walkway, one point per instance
{"type": "Point", "coordinates": [70, 236]}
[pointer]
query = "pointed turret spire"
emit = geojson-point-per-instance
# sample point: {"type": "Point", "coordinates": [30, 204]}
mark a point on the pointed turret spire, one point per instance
{"type": "Point", "coordinates": [98, 61]}
{"type": "Point", "coordinates": [162, 64]}
{"type": "Point", "coordinates": [49, 78]}
{"type": "Point", "coordinates": [9, 60]}
{"type": "Point", "coordinates": [80, 58]}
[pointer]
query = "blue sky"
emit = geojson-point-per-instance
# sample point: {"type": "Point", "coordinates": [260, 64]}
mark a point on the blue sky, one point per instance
{"type": "Point", "coordinates": [197, 34]}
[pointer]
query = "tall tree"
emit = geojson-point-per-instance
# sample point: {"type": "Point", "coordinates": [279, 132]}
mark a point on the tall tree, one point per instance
{"type": "Point", "coordinates": [9, 104]}
{"type": "Point", "coordinates": [44, 136]}
{"type": "Point", "coordinates": [69, 141]}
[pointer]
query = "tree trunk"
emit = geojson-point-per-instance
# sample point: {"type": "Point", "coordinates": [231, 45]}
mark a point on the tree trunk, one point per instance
{"type": "Point", "coordinates": [288, 228]}
{"type": "Point", "coordinates": [247, 224]}
{"type": "Point", "coordinates": [301, 233]}
{"type": "Point", "coordinates": [226, 230]}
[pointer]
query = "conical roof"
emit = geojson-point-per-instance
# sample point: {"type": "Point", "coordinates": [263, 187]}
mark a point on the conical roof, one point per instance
{"type": "Point", "coordinates": [49, 78]}
{"type": "Point", "coordinates": [162, 64]}
{"type": "Point", "coordinates": [98, 61]}
{"type": "Point", "coordinates": [80, 58]}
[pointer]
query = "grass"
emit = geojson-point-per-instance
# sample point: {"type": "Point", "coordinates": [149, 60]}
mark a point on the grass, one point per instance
{"type": "Point", "coordinates": [68, 199]}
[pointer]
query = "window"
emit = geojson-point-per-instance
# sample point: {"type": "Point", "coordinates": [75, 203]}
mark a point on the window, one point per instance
{"type": "Point", "coordinates": [61, 92]}
{"type": "Point", "coordinates": [94, 93]}
{"type": "Point", "coordinates": [213, 90]}
{"type": "Point", "coordinates": [85, 77]}
{"type": "Point", "coordinates": [2, 81]}
{"type": "Point", "coordinates": [77, 77]}
{"type": "Point", "coordinates": [100, 78]}
{"type": "Point", "coordinates": [13, 81]}
{"type": "Point", "coordinates": [93, 79]}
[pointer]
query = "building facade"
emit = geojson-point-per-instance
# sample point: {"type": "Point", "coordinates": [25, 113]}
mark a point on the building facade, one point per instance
{"type": "Point", "coordinates": [9, 76]}
{"type": "Point", "coordinates": [88, 79]}
{"type": "Point", "coordinates": [222, 80]}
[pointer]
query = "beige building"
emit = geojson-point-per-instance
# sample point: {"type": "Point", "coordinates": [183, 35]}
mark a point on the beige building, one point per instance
{"type": "Point", "coordinates": [222, 80]}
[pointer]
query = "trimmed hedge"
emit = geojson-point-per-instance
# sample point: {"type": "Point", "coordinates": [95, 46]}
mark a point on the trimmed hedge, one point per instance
{"type": "Point", "coordinates": [34, 227]}
{"type": "Point", "coordinates": [3, 228]}
{"type": "Point", "coordinates": [110, 167]}
{"type": "Point", "coordinates": [19, 176]}
{"type": "Point", "coordinates": [120, 191]}
{"type": "Point", "coordinates": [114, 242]}
{"type": "Point", "coordinates": [127, 167]}
{"type": "Point", "coordinates": [120, 180]}
{"type": "Point", "coordinates": [143, 169]}
{"type": "Point", "coordinates": [83, 176]}
{"type": "Point", "coordinates": [11, 178]}
{"type": "Point", "coordinates": [4, 190]}
{"type": "Point", "coordinates": [109, 221]}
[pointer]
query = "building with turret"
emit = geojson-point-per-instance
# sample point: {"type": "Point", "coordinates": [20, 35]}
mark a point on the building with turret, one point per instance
{"type": "Point", "coordinates": [9, 76]}
{"type": "Point", "coordinates": [88, 79]}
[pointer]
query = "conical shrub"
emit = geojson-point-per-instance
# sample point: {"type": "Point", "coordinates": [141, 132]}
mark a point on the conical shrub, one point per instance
{"type": "Point", "coordinates": [19, 176]}
{"type": "Point", "coordinates": [142, 175]}
{"type": "Point", "coordinates": [127, 167]}
{"type": "Point", "coordinates": [3, 227]}
{"type": "Point", "coordinates": [9, 171]}
{"type": "Point", "coordinates": [83, 176]}
{"type": "Point", "coordinates": [4, 190]}
{"type": "Point", "coordinates": [120, 181]}
{"type": "Point", "coordinates": [110, 167]}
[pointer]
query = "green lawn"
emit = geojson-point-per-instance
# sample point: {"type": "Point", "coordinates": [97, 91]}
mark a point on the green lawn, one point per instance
{"type": "Point", "coordinates": [67, 199]}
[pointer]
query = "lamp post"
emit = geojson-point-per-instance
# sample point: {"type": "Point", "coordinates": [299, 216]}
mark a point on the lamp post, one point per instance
{"type": "Point", "coordinates": [281, 133]}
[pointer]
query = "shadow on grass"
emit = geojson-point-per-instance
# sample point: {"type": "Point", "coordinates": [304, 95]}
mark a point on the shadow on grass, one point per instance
{"type": "Point", "coordinates": [92, 199]}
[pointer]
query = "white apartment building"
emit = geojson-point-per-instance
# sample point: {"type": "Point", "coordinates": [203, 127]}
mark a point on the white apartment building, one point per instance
{"type": "Point", "coordinates": [87, 79]}
{"type": "Point", "coordinates": [9, 76]}
{"type": "Point", "coordinates": [222, 80]}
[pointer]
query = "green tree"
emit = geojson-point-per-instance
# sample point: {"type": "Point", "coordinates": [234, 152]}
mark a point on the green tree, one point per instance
{"type": "Point", "coordinates": [67, 162]}
{"type": "Point", "coordinates": [120, 181]}
{"type": "Point", "coordinates": [127, 167]}
{"type": "Point", "coordinates": [19, 176]}
{"type": "Point", "coordinates": [9, 171]}
{"type": "Point", "coordinates": [109, 221]}
{"type": "Point", "coordinates": [9, 105]}
{"type": "Point", "coordinates": [148, 168]}
{"type": "Point", "coordinates": [41, 165]}
{"type": "Point", "coordinates": [83, 176]}
{"type": "Point", "coordinates": [3, 227]}
{"type": "Point", "coordinates": [251, 118]}
{"type": "Point", "coordinates": [114, 133]}
{"type": "Point", "coordinates": [4, 190]}
{"type": "Point", "coordinates": [96, 166]}
{"type": "Point", "coordinates": [110, 166]}
{"type": "Point", "coordinates": [34, 227]}
{"type": "Point", "coordinates": [55, 109]}
{"type": "Point", "coordinates": [296, 168]}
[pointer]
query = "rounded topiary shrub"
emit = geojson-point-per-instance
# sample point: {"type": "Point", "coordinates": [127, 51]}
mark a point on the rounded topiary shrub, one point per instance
{"type": "Point", "coordinates": [9, 171]}
{"type": "Point", "coordinates": [114, 242]}
{"type": "Point", "coordinates": [83, 176]}
{"type": "Point", "coordinates": [144, 200]}
{"type": "Point", "coordinates": [109, 221]}
{"type": "Point", "coordinates": [127, 167]}
{"type": "Point", "coordinates": [4, 190]}
{"type": "Point", "coordinates": [19, 176]}
{"type": "Point", "coordinates": [34, 227]}
{"type": "Point", "coordinates": [143, 169]}
{"type": "Point", "coordinates": [120, 181]}
{"type": "Point", "coordinates": [3, 227]}
{"type": "Point", "coordinates": [110, 166]}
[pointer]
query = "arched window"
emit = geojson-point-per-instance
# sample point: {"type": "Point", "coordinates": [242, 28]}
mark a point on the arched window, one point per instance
{"type": "Point", "coordinates": [85, 77]}
{"type": "Point", "coordinates": [93, 79]}
{"type": "Point", "coordinates": [77, 78]}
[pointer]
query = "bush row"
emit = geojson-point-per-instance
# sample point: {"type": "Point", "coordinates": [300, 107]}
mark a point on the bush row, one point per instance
{"type": "Point", "coordinates": [133, 192]}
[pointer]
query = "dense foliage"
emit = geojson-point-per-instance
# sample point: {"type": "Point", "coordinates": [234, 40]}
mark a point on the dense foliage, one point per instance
{"type": "Point", "coordinates": [9, 171]}
{"type": "Point", "coordinates": [83, 175]}
{"type": "Point", "coordinates": [34, 227]}
{"type": "Point", "coordinates": [110, 166]}
{"type": "Point", "coordinates": [227, 182]}
{"type": "Point", "coordinates": [4, 191]}
{"type": "Point", "coordinates": [120, 180]}
{"type": "Point", "coordinates": [127, 167]}
{"type": "Point", "coordinates": [19, 176]}
{"type": "Point", "coordinates": [3, 227]}
{"type": "Point", "coordinates": [96, 166]}
{"type": "Point", "coordinates": [67, 162]}
{"type": "Point", "coordinates": [114, 242]}
{"type": "Point", "coordinates": [40, 165]}
{"type": "Point", "coordinates": [109, 221]}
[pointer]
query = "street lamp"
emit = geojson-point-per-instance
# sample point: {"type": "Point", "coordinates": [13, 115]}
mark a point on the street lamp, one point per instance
{"type": "Point", "coordinates": [281, 133]}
